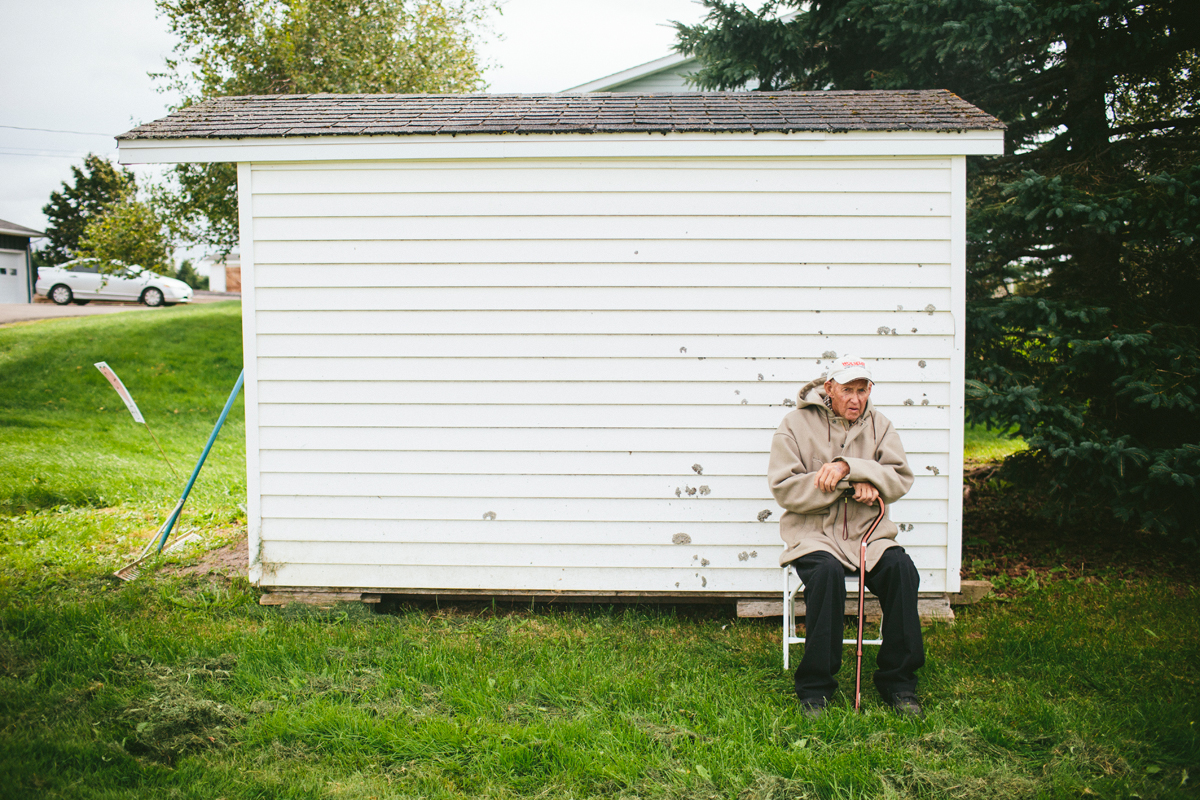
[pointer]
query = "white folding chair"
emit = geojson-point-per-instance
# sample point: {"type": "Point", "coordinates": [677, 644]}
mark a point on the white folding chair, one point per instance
{"type": "Point", "coordinates": [789, 611]}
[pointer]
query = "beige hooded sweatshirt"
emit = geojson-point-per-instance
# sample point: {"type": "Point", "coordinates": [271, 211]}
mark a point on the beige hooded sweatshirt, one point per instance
{"type": "Point", "coordinates": [813, 435]}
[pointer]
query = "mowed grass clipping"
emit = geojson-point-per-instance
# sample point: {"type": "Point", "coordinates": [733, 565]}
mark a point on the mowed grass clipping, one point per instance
{"type": "Point", "coordinates": [184, 687]}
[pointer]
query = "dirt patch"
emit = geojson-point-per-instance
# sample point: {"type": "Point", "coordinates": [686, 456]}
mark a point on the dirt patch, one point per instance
{"type": "Point", "coordinates": [1007, 535]}
{"type": "Point", "coordinates": [230, 561]}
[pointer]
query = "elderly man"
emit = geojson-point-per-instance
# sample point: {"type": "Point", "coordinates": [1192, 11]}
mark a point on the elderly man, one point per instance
{"type": "Point", "coordinates": [831, 460]}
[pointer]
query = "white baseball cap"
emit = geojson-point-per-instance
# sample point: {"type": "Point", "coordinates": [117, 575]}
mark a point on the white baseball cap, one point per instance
{"type": "Point", "coordinates": [848, 368]}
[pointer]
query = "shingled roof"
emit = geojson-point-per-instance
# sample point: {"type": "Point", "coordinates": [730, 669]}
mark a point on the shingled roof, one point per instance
{"type": "Point", "coordinates": [276, 116]}
{"type": "Point", "coordinates": [13, 229]}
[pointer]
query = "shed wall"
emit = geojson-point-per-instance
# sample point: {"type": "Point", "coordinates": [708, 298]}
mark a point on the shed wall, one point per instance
{"type": "Point", "coordinates": [500, 374]}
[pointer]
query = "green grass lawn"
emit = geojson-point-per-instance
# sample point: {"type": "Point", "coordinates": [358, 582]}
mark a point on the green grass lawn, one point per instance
{"type": "Point", "coordinates": [980, 444]}
{"type": "Point", "coordinates": [184, 687]}
{"type": "Point", "coordinates": [68, 438]}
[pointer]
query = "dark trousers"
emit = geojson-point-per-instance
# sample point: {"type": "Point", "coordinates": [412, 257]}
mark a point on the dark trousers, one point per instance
{"type": "Point", "coordinates": [895, 581]}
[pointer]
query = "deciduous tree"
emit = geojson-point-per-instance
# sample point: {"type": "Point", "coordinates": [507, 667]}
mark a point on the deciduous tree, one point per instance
{"type": "Point", "coordinates": [241, 47]}
{"type": "Point", "coordinates": [96, 185]}
{"type": "Point", "coordinates": [129, 232]}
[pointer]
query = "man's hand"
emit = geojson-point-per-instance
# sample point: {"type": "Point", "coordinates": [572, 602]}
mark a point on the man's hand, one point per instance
{"type": "Point", "coordinates": [828, 475]}
{"type": "Point", "coordinates": [865, 492]}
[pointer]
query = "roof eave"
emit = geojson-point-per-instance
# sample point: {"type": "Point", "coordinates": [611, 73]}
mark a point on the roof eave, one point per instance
{"type": "Point", "coordinates": [579, 144]}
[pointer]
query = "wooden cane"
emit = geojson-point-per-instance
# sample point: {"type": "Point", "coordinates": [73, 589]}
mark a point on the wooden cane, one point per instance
{"type": "Point", "coordinates": [862, 584]}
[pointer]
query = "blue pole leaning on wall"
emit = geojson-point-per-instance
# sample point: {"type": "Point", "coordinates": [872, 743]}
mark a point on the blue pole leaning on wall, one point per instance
{"type": "Point", "coordinates": [170, 523]}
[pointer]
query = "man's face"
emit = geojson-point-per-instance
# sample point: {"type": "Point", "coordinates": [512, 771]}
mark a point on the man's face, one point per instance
{"type": "Point", "coordinates": [849, 400]}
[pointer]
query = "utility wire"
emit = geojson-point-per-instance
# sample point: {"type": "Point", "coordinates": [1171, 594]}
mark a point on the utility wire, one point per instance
{"type": "Point", "coordinates": [54, 130]}
{"type": "Point", "coordinates": [41, 151]}
{"type": "Point", "coordinates": [39, 155]}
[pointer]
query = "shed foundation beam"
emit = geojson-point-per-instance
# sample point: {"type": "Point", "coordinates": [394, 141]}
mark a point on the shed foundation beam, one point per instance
{"type": "Point", "coordinates": [931, 608]}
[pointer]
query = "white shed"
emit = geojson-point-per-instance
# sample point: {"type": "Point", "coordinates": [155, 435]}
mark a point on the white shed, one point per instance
{"type": "Point", "coordinates": [538, 344]}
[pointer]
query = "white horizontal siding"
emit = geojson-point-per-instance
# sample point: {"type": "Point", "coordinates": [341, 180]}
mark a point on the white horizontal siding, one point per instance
{"type": "Point", "coordinates": [830, 324]}
{"type": "Point", "coordinates": [410, 204]}
{"type": "Point", "coordinates": [543, 509]}
{"type": "Point", "coordinates": [489, 417]}
{"type": "Point", "coordinates": [496, 375]}
{"type": "Point", "coordinates": [712, 177]}
{"type": "Point", "coordinates": [668, 80]}
{"type": "Point", "coordinates": [677, 466]}
{"type": "Point", "coordinates": [803, 350]}
{"type": "Point", "coordinates": [810, 276]}
{"type": "Point", "coordinates": [507, 554]}
{"type": "Point", "coordinates": [758, 540]}
{"type": "Point", "coordinates": [587, 298]}
{"type": "Point", "coordinates": [740, 370]}
{"type": "Point", "coordinates": [599, 251]}
{"type": "Point", "coordinates": [499, 578]}
{"type": "Point", "coordinates": [585, 441]}
{"type": "Point", "coordinates": [484, 393]}
{"type": "Point", "coordinates": [614, 487]}
{"type": "Point", "coordinates": [558, 227]}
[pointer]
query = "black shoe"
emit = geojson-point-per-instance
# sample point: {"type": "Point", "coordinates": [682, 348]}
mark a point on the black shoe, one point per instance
{"type": "Point", "coordinates": [906, 704]}
{"type": "Point", "coordinates": [813, 707]}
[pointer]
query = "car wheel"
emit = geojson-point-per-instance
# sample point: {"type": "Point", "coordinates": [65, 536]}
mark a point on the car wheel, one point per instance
{"type": "Point", "coordinates": [61, 294]}
{"type": "Point", "coordinates": [79, 302]}
{"type": "Point", "coordinates": [152, 297]}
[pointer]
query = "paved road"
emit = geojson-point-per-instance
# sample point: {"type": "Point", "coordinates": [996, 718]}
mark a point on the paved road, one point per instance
{"type": "Point", "coordinates": [25, 312]}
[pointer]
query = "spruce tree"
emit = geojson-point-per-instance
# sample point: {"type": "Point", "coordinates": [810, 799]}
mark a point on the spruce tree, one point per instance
{"type": "Point", "coordinates": [1083, 238]}
{"type": "Point", "coordinates": [263, 47]}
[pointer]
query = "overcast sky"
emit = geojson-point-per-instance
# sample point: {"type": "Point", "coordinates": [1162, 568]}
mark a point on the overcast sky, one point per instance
{"type": "Point", "coordinates": [81, 65]}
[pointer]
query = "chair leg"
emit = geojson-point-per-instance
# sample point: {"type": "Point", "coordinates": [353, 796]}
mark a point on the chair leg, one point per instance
{"type": "Point", "coordinates": [789, 614]}
{"type": "Point", "coordinates": [789, 621]}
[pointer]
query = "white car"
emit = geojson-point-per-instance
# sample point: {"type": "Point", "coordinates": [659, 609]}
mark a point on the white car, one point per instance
{"type": "Point", "coordinates": [82, 281]}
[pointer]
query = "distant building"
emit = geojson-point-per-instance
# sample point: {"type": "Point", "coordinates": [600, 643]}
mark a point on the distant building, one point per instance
{"type": "Point", "coordinates": [666, 74]}
{"type": "Point", "coordinates": [224, 274]}
{"type": "Point", "coordinates": [17, 274]}
{"type": "Point", "coordinates": [670, 73]}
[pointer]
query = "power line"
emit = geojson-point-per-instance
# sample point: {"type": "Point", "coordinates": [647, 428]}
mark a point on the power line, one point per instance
{"type": "Point", "coordinates": [54, 130]}
{"type": "Point", "coordinates": [40, 151]}
{"type": "Point", "coordinates": [39, 155]}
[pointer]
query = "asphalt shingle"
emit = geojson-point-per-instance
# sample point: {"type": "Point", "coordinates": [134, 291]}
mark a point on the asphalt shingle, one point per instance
{"type": "Point", "coordinates": [275, 116]}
